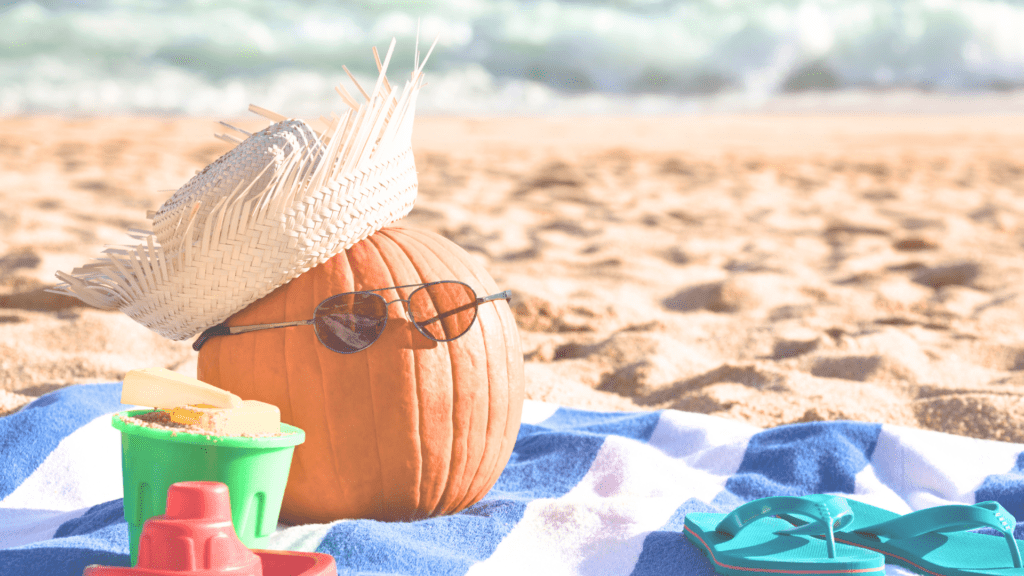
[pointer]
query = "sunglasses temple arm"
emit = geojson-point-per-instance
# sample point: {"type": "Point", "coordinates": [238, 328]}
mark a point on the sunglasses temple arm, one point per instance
{"type": "Point", "coordinates": [255, 327]}
{"type": "Point", "coordinates": [506, 295]}
{"type": "Point", "coordinates": [221, 330]}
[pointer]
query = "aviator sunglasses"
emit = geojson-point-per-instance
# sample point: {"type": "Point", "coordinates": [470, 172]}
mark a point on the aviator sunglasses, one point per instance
{"type": "Point", "coordinates": [352, 321]}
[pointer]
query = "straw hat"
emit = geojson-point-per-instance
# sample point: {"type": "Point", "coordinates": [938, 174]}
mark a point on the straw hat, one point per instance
{"type": "Point", "coordinates": [281, 202]}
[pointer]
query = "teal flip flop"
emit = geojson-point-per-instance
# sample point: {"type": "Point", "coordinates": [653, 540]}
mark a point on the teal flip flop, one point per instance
{"type": "Point", "coordinates": [751, 540]}
{"type": "Point", "coordinates": [935, 541]}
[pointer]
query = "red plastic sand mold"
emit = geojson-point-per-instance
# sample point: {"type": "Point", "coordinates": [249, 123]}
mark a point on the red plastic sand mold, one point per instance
{"type": "Point", "coordinates": [196, 537]}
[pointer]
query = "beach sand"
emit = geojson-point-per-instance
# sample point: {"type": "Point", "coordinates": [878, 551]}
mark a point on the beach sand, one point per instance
{"type": "Point", "coordinates": [770, 270]}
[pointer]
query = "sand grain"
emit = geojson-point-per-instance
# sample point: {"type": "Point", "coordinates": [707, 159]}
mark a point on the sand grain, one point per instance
{"type": "Point", "coordinates": [767, 269]}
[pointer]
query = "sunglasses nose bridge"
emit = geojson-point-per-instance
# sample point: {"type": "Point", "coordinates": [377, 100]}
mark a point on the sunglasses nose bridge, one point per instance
{"type": "Point", "coordinates": [405, 306]}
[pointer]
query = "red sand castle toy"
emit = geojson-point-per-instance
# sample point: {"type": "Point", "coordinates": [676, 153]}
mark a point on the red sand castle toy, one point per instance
{"type": "Point", "coordinates": [196, 537]}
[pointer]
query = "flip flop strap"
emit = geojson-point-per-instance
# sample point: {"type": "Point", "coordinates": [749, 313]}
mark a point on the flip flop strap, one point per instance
{"type": "Point", "coordinates": [828, 514]}
{"type": "Point", "coordinates": [951, 518]}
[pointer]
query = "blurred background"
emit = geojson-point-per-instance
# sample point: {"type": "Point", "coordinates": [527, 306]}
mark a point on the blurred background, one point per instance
{"type": "Point", "coordinates": [515, 57]}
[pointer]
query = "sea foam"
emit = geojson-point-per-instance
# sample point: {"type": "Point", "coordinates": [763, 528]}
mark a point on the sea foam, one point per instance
{"type": "Point", "coordinates": [500, 56]}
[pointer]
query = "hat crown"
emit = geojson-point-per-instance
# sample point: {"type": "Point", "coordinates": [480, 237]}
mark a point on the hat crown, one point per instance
{"type": "Point", "coordinates": [243, 174]}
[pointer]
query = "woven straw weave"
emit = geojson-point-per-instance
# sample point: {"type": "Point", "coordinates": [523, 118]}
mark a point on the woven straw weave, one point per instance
{"type": "Point", "coordinates": [281, 202]}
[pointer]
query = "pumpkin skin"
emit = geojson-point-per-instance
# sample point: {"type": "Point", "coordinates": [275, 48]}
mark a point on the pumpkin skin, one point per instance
{"type": "Point", "coordinates": [406, 429]}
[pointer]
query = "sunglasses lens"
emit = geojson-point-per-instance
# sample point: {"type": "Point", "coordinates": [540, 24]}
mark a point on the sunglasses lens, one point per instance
{"type": "Point", "coordinates": [350, 322]}
{"type": "Point", "coordinates": [444, 310]}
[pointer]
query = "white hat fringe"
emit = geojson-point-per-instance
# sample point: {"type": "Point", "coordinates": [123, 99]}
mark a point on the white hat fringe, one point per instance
{"type": "Point", "coordinates": [281, 202]}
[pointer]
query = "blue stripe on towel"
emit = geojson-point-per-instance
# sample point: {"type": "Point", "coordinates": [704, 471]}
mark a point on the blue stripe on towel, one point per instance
{"type": "Point", "coordinates": [635, 425]}
{"type": "Point", "coordinates": [97, 518]}
{"type": "Point", "coordinates": [100, 536]}
{"type": "Point", "coordinates": [549, 460]}
{"type": "Point", "coordinates": [28, 436]}
{"type": "Point", "coordinates": [668, 553]}
{"type": "Point", "coordinates": [801, 459]}
{"type": "Point", "coordinates": [540, 493]}
{"type": "Point", "coordinates": [55, 557]}
{"type": "Point", "coordinates": [1008, 490]}
{"type": "Point", "coordinates": [443, 545]}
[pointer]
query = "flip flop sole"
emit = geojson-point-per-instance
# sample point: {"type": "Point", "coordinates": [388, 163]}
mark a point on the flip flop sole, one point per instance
{"type": "Point", "coordinates": [758, 550]}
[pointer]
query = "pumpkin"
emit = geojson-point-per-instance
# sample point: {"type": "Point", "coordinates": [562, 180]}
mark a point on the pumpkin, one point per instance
{"type": "Point", "coordinates": [405, 429]}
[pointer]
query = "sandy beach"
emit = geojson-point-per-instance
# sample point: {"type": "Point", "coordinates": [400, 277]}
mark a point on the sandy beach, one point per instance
{"type": "Point", "coordinates": [768, 269]}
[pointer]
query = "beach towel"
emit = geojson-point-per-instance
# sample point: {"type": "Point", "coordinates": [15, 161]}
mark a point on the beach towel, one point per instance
{"type": "Point", "coordinates": [585, 492]}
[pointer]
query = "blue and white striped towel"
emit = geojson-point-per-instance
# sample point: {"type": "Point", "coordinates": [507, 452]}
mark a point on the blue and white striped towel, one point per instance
{"type": "Point", "coordinates": [584, 493]}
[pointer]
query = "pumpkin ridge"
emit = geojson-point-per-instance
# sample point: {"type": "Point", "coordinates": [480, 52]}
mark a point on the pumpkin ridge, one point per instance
{"type": "Point", "coordinates": [504, 447]}
{"type": "Point", "coordinates": [372, 380]}
{"type": "Point", "coordinates": [513, 401]}
{"type": "Point", "coordinates": [450, 485]}
{"type": "Point", "coordinates": [473, 496]}
{"type": "Point", "coordinates": [321, 350]}
{"type": "Point", "coordinates": [366, 487]}
{"type": "Point", "coordinates": [420, 416]}
{"type": "Point", "coordinates": [467, 478]}
{"type": "Point", "coordinates": [290, 364]}
{"type": "Point", "coordinates": [471, 493]}
{"type": "Point", "coordinates": [415, 389]}
{"type": "Point", "coordinates": [417, 394]}
{"type": "Point", "coordinates": [514, 398]}
{"type": "Point", "coordinates": [430, 459]}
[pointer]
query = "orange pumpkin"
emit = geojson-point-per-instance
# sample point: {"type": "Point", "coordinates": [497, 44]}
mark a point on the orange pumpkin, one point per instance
{"type": "Point", "coordinates": [405, 429]}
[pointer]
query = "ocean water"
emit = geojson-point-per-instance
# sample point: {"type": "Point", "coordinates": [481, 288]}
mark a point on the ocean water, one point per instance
{"type": "Point", "coordinates": [215, 57]}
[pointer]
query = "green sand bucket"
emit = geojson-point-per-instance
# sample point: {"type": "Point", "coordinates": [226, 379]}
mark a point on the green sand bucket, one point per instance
{"type": "Point", "coordinates": [254, 469]}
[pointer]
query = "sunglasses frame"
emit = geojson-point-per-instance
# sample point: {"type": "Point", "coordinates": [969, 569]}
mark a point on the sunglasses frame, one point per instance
{"type": "Point", "coordinates": [222, 330]}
